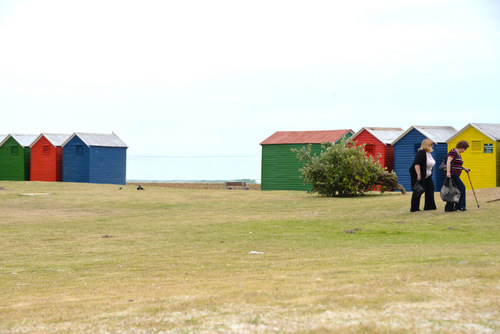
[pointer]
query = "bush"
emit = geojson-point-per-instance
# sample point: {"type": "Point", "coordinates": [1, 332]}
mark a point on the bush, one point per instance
{"type": "Point", "coordinates": [343, 169]}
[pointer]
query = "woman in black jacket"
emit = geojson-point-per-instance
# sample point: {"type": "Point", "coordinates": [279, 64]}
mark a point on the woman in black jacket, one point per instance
{"type": "Point", "coordinates": [421, 172]}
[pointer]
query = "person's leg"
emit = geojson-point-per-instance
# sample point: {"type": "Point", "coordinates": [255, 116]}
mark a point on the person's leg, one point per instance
{"type": "Point", "coordinates": [461, 186]}
{"type": "Point", "coordinates": [415, 199]}
{"type": "Point", "coordinates": [430, 203]}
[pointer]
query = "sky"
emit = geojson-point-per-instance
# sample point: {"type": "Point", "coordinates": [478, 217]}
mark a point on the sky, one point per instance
{"type": "Point", "coordinates": [205, 78]}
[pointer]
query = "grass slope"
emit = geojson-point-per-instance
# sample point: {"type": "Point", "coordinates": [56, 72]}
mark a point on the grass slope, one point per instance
{"type": "Point", "coordinates": [94, 258]}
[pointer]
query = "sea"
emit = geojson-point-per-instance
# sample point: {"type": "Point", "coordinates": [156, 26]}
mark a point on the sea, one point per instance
{"type": "Point", "coordinates": [193, 169]}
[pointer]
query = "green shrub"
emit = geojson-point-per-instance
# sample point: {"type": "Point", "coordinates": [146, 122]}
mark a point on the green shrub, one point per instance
{"type": "Point", "coordinates": [343, 169]}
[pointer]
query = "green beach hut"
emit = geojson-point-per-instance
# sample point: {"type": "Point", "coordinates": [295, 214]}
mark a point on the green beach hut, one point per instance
{"type": "Point", "coordinates": [280, 166]}
{"type": "Point", "coordinates": [15, 157]}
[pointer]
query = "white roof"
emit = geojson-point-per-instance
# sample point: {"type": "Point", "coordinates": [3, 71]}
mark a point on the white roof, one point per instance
{"type": "Point", "coordinates": [490, 130]}
{"type": "Point", "coordinates": [24, 140]}
{"type": "Point", "coordinates": [2, 137]}
{"type": "Point", "coordinates": [438, 134]}
{"type": "Point", "coordinates": [98, 139]}
{"type": "Point", "coordinates": [385, 135]}
{"type": "Point", "coordinates": [56, 139]}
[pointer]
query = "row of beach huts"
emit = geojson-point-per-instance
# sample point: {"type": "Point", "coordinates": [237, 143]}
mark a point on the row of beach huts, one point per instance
{"type": "Point", "coordinates": [77, 157]}
{"type": "Point", "coordinates": [102, 158]}
{"type": "Point", "coordinates": [397, 148]}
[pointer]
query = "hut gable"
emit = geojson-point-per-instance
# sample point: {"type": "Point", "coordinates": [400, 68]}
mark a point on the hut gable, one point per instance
{"type": "Point", "coordinates": [55, 139]}
{"type": "Point", "coordinates": [438, 134]}
{"type": "Point", "coordinates": [24, 140]}
{"type": "Point", "coordinates": [491, 131]}
{"type": "Point", "coordinates": [280, 166]}
{"type": "Point", "coordinates": [98, 139]}
{"type": "Point", "coordinates": [46, 157]}
{"type": "Point", "coordinates": [15, 157]}
{"type": "Point", "coordinates": [94, 158]}
{"type": "Point", "coordinates": [306, 137]}
{"type": "Point", "coordinates": [483, 155]}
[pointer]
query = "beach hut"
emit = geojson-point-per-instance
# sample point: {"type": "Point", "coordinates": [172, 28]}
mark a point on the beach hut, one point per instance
{"type": "Point", "coordinates": [15, 157]}
{"type": "Point", "coordinates": [280, 166]}
{"type": "Point", "coordinates": [94, 158]}
{"type": "Point", "coordinates": [407, 145]}
{"type": "Point", "coordinates": [483, 155]}
{"type": "Point", "coordinates": [378, 141]}
{"type": "Point", "coordinates": [46, 157]}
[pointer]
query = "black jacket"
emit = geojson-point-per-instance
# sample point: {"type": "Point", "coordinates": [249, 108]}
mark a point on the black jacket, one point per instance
{"type": "Point", "coordinates": [421, 160]}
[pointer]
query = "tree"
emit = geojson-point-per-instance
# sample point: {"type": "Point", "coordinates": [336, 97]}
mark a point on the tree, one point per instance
{"type": "Point", "coordinates": [343, 169]}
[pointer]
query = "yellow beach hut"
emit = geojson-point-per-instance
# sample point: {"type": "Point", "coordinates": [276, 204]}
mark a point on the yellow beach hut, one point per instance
{"type": "Point", "coordinates": [483, 155]}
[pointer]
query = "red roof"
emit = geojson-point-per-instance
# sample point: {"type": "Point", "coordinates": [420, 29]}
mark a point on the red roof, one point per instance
{"type": "Point", "coordinates": [305, 137]}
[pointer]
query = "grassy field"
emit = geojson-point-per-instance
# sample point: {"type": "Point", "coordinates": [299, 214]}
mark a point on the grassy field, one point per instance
{"type": "Point", "coordinates": [100, 259]}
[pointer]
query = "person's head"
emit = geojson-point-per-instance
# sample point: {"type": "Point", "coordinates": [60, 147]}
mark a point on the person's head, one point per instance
{"type": "Point", "coordinates": [426, 145]}
{"type": "Point", "coordinates": [463, 144]}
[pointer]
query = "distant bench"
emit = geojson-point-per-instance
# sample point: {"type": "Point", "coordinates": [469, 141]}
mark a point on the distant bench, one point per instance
{"type": "Point", "coordinates": [236, 185]}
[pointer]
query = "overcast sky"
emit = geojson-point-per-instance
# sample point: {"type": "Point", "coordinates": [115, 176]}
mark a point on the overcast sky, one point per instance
{"type": "Point", "coordinates": [218, 77]}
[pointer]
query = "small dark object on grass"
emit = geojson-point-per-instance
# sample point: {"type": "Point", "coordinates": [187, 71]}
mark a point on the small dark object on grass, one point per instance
{"type": "Point", "coordinates": [120, 188]}
{"type": "Point", "coordinates": [401, 222]}
{"type": "Point", "coordinates": [356, 229]}
{"type": "Point", "coordinates": [107, 236]}
{"type": "Point", "coordinates": [451, 228]}
{"type": "Point", "coordinates": [349, 231]}
{"type": "Point", "coordinates": [140, 188]}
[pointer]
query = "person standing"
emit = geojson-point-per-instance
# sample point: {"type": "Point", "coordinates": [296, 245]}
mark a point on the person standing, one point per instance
{"type": "Point", "coordinates": [453, 170]}
{"type": "Point", "coordinates": [421, 172]}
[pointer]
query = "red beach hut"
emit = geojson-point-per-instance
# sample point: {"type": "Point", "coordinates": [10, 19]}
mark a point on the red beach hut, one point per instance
{"type": "Point", "coordinates": [47, 157]}
{"type": "Point", "coordinates": [379, 141]}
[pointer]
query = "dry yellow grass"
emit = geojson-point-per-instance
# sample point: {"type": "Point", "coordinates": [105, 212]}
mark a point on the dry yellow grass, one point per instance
{"type": "Point", "coordinates": [97, 258]}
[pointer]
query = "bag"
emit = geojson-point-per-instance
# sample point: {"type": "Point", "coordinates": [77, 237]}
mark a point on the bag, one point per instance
{"type": "Point", "coordinates": [442, 167]}
{"type": "Point", "coordinates": [449, 191]}
{"type": "Point", "coordinates": [418, 189]}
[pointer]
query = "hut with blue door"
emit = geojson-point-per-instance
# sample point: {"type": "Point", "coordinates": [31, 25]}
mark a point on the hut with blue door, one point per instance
{"type": "Point", "coordinates": [94, 158]}
{"type": "Point", "coordinates": [407, 145]}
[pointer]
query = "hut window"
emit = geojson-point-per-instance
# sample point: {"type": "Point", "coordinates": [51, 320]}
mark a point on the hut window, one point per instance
{"type": "Point", "coordinates": [46, 149]}
{"type": "Point", "coordinates": [13, 150]}
{"type": "Point", "coordinates": [79, 149]}
{"type": "Point", "coordinates": [370, 149]}
{"type": "Point", "coordinates": [476, 146]}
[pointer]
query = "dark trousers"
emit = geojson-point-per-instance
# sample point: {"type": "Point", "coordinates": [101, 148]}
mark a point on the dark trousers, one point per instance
{"type": "Point", "coordinates": [450, 206]}
{"type": "Point", "coordinates": [430, 204]}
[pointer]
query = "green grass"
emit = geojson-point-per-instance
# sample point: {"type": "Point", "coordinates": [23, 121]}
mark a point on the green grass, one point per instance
{"type": "Point", "coordinates": [93, 258]}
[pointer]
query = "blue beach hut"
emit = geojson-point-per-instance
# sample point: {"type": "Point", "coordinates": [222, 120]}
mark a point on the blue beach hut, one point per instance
{"type": "Point", "coordinates": [407, 145]}
{"type": "Point", "coordinates": [94, 158]}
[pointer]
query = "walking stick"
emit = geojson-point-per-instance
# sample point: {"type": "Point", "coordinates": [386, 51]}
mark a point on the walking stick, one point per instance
{"type": "Point", "coordinates": [472, 188]}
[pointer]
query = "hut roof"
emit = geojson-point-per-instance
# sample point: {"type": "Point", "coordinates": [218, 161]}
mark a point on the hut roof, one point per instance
{"type": "Point", "coordinates": [305, 137]}
{"type": "Point", "coordinates": [24, 140]}
{"type": "Point", "coordinates": [56, 139]}
{"type": "Point", "coordinates": [438, 134]}
{"type": "Point", "coordinates": [490, 130]}
{"type": "Point", "coordinates": [98, 139]}
{"type": "Point", "coordinates": [385, 135]}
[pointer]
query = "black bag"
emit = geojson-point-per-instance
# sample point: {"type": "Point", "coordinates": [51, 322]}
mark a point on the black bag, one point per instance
{"type": "Point", "coordinates": [442, 167]}
{"type": "Point", "coordinates": [418, 188]}
{"type": "Point", "coordinates": [449, 191]}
